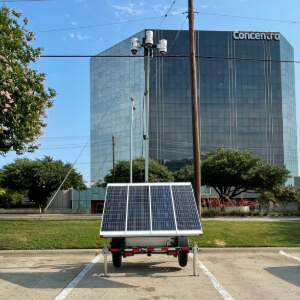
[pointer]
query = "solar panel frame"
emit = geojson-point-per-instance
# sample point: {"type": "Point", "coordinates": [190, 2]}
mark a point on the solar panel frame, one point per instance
{"type": "Point", "coordinates": [186, 211]}
{"type": "Point", "coordinates": [150, 230]}
{"type": "Point", "coordinates": [105, 224]}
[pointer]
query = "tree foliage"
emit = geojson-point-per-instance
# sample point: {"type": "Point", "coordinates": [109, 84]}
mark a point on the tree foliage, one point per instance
{"type": "Point", "coordinates": [283, 196]}
{"type": "Point", "coordinates": [10, 197]}
{"type": "Point", "coordinates": [232, 172]}
{"type": "Point", "coordinates": [40, 177]}
{"type": "Point", "coordinates": [157, 172]}
{"type": "Point", "coordinates": [185, 174]}
{"type": "Point", "coordinates": [23, 97]}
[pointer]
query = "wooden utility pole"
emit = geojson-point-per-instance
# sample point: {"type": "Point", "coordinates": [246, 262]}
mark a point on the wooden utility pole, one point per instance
{"type": "Point", "coordinates": [195, 122]}
{"type": "Point", "coordinates": [113, 146]}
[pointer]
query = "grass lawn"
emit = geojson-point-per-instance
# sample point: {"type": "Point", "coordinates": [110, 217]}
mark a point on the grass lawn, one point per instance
{"type": "Point", "coordinates": [16, 234]}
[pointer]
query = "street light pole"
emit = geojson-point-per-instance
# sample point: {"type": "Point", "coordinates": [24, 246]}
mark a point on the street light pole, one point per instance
{"type": "Point", "coordinates": [147, 120]}
{"type": "Point", "coordinates": [131, 129]}
{"type": "Point", "coordinates": [148, 46]}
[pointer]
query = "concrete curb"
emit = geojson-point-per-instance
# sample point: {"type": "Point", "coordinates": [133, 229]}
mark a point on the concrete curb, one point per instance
{"type": "Point", "coordinates": [55, 252]}
{"type": "Point", "coordinates": [95, 252]}
{"type": "Point", "coordinates": [265, 250]}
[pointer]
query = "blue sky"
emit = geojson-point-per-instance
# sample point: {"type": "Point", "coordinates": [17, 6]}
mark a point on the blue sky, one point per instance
{"type": "Point", "coordinates": [87, 27]}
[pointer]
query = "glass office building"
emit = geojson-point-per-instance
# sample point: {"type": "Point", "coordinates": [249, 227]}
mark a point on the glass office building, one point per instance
{"type": "Point", "coordinates": [246, 99]}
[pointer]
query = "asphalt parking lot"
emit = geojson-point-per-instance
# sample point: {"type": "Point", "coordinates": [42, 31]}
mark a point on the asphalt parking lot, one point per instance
{"type": "Point", "coordinates": [238, 273]}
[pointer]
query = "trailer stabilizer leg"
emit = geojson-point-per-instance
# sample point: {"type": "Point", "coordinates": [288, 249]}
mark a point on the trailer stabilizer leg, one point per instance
{"type": "Point", "coordinates": [195, 250]}
{"type": "Point", "coordinates": [105, 252]}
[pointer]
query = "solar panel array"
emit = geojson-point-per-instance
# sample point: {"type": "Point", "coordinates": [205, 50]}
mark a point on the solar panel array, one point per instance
{"type": "Point", "coordinates": [150, 209]}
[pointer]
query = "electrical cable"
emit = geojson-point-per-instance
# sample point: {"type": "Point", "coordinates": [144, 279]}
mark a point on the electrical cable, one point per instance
{"type": "Point", "coordinates": [173, 56]}
{"type": "Point", "coordinates": [165, 16]}
{"type": "Point", "coordinates": [97, 25]}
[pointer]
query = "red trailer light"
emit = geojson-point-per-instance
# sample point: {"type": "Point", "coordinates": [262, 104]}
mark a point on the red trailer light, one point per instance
{"type": "Point", "coordinates": [150, 249]}
{"type": "Point", "coordinates": [128, 253]}
{"type": "Point", "coordinates": [185, 249]}
{"type": "Point", "coordinates": [172, 253]}
{"type": "Point", "coordinates": [136, 249]}
{"type": "Point", "coordinates": [114, 250]}
{"type": "Point", "coordinates": [164, 249]}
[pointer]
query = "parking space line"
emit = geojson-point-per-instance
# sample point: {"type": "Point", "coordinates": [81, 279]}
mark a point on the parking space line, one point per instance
{"type": "Point", "coordinates": [66, 291]}
{"type": "Point", "coordinates": [288, 255]}
{"type": "Point", "coordinates": [214, 281]}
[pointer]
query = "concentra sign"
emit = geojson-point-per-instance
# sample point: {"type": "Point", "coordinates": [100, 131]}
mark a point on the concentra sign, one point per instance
{"type": "Point", "coordinates": [238, 35]}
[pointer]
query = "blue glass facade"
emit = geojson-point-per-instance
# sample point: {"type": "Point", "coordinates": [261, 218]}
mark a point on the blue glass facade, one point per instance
{"type": "Point", "coordinates": [246, 103]}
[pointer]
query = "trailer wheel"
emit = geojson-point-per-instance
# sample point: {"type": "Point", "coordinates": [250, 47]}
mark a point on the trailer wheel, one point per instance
{"type": "Point", "coordinates": [183, 241]}
{"type": "Point", "coordinates": [183, 259]}
{"type": "Point", "coordinates": [117, 259]}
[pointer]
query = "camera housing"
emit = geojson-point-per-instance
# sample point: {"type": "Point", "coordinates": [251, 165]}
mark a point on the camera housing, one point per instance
{"type": "Point", "coordinates": [135, 44]}
{"type": "Point", "coordinates": [162, 47]}
{"type": "Point", "coordinates": [149, 39]}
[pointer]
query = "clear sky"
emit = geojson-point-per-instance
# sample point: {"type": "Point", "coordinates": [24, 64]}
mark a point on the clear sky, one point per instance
{"type": "Point", "coordinates": [87, 27]}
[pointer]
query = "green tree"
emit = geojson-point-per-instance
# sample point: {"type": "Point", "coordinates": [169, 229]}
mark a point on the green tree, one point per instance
{"type": "Point", "coordinates": [185, 174]}
{"type": "Point", "coordinates": [231, 172]}
{"type": "Point", "coordinates": [40, 177]}
{"type": "Point", "coordinates": [23, 97]}
{"type": "Point", "coordinates": [157, 172]}
{"type": "Point", "coordinates": [282, 195]}
{"type": "Point", "coordinates": [10, 197]}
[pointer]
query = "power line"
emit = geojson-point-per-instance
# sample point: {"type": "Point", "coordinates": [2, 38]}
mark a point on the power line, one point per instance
{"type": "Point", "coordinates": [97, 25]}
{"type": "Point", "coordinates": [165, 16]}
{"type": "Point", "coordinates": [251, 18]}
{"type": "Point", "coordinates": [12, 1]}
{"type": "Point", "coordinates": [172, 56]}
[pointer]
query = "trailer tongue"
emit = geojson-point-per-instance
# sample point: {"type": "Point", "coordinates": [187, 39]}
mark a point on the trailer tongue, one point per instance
{"type": "Point", "coordinates": [150, 218]}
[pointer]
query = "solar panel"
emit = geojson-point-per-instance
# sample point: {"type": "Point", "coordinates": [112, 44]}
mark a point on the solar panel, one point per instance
{"type": "Point", "coordinates": [150, 209]}
{"type": "Point", "coordinates": [162, 208]}
{"type": "Point", "coordinates": [138, 209]}
{"type": "Point", "coordinates": [185, 208]}
{"type": "Point", "coordinates": [115, 209]}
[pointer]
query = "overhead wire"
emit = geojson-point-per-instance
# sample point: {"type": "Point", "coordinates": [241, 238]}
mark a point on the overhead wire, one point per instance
{"type": "Point", "coordinates": [173, 56]}
{"type": "Point", "coordinates": [166, 14]}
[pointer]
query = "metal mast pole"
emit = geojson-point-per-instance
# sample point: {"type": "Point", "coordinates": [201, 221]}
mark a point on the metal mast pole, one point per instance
{"type": "Point", "coordinates": [195, 122]}
{"type": "Point", "coordinates": [131, 129]}
{"type": "Point", "coordinates": [147, 119]}
{"type": "Point", "coordinates": [113, 145]}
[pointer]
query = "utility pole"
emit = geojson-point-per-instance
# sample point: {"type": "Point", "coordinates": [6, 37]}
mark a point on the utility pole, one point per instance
{"type": "Point", "coordinates": [113, 146]}
{"type": "Point", "coordinates": [195, 122]}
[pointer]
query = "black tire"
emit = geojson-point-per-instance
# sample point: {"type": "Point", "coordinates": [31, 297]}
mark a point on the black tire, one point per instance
{"type": "Point", "coordinates": [117, 243]}
{"type": "Point", "coordinates": [117, 259]}
{"type": "Point", "coordinates": [183, 258]}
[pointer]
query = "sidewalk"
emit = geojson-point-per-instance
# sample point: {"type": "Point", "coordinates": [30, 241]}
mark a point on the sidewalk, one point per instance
{"type": "Point", "coordinates": [99, 216]}
{"type": "Point", "coordinates": [267, 219]}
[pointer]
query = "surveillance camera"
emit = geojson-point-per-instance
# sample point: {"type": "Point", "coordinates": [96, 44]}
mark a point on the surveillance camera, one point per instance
{"type": "Point", "coordinates": [149, 39]}
{"type": "Point", "coordinates": [135, 44]}
{"type": "Point", "coordinates": [162, 47]}
{"type": "Point", "coordinates": [162, 53]}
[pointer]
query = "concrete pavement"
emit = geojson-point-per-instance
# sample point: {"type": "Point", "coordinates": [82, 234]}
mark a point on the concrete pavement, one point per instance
{"type": "Point", "coordinates": [234, 273]}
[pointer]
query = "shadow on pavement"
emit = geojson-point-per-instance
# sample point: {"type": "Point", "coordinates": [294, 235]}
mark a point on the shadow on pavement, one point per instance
{"type": "Point", "coordinates": [290, 274]}
{"type": "Point", "coordinates": [60, 275]}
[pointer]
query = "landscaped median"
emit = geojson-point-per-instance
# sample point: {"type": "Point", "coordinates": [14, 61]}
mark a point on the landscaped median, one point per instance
{"type": "Point", "coordinates": [34, 234]}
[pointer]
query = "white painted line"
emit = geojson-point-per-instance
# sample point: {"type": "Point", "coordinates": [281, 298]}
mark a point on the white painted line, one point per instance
{"type": "Point", "coordinates": [288, 255]}
{"type": "Point", "coordinates": [66, 291]}
{"type": "Point", "coordinates": [214, 281]}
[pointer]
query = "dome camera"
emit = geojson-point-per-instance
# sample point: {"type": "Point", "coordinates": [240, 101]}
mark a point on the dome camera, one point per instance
{"type": "Point", "coordinates": [162, 47]}
{"type": "Point", "coordinates": [135, 44]}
